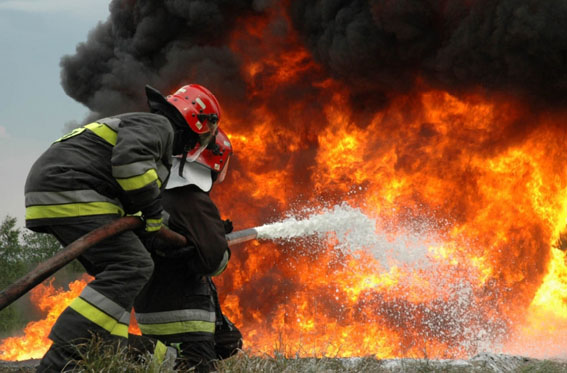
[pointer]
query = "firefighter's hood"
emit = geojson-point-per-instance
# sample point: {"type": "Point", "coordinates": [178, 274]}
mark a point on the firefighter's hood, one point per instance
{"type": "Point", "coordinates": [193, 174]}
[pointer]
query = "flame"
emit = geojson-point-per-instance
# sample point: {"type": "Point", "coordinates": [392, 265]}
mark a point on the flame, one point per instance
{"type": "Point", "coordinates": [468, 189]}
{"type": "Point", "coordinates": [481, 194]}
{"type": "Point", "coordinates": [543, 330]}
{"type": "Point", "coordinates": [493, 278]}
{"type": "Point", "coordinates": [50, 301]}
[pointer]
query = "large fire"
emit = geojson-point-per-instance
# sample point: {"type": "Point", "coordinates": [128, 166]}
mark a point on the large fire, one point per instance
{"type": "Point", "coordinates": [485, 196]}
{"type": "Point", "coordinates": [482, 197]}
{"type": "Point", "coordinates": [494, 277]}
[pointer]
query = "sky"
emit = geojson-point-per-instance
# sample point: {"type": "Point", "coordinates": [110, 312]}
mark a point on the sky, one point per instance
{"type": "Point", "coordinates": [34, 35]}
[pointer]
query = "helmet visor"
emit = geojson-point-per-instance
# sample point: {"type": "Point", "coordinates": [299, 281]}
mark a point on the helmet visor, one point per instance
{"type": "Point", "coordinates": [194, 153]}
{"type": "Point", "coordinates": [222, 174]}
{"type": "Point", "coordinates": [205, 140]}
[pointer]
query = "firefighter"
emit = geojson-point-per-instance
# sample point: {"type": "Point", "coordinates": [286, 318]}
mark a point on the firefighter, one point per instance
{"type": "Point", "coordinates": [97, 173]}
{"type": "Point", "coordinates": [179, 305]}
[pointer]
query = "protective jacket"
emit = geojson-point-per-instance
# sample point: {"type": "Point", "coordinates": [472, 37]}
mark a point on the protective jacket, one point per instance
{"type": "Point", "coordinates": [109, 167]}
{"type": "Point", "coordinates": [178, 303]}
{"type": "Point", "coordinates": [84, 180]}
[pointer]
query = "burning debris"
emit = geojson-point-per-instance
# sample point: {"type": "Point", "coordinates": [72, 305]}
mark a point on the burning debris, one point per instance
{"type": "Point", "coordinates": [440, 120]}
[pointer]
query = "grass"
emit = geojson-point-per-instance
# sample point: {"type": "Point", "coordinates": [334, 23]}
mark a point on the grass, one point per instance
{"type": "Point", "coordinates": [98, 357]}
{"type": "Point", "coordinates": [546, 366]}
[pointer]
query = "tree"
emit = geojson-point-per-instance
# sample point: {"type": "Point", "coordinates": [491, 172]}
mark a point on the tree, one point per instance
{"type": "Point", "coordinates": [11, 259]}
{"type": "Point", "coordinates": [12, 266]}
{"type": "Point", "coordinates": [20, 251]}
{"type": "Point", "coordinates": [39, 246]}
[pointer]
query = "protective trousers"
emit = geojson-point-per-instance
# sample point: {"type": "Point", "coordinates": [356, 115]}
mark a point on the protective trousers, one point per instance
{"type": "Point", "coordinates": [183, 311]}
{"type": "Point", "coordinates": [121, 266]}
{"type": "Point", "coordinates": [201, 356]}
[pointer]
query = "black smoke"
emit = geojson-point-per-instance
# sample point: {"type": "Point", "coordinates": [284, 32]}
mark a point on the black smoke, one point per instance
{"type": "Point", "coordinates": [382, 46]}
{"type": "Point", "coordinates": [162, 43]}
{"type": "Point", "coordinates": [378, 48]}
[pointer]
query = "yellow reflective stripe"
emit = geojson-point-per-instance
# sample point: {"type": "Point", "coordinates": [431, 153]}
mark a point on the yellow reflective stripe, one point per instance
{"type": "Point", "coordinates": [102, 130]}
{"type": "Point", "coordinates": [74, 132]}
{"type": "Point", "coordinates": [100, 318]}
{"type": "Point", "coordinates": [177, 327]}
{"type": "Point", "coordinates": [72, 209]}
{"type": "Point", "coordinates": [153, 225]}
{"type": "Point", "coordinates": [159, 352]}
{"type": "Point", "coordinates": [120, 330]}
{"type": "Point", "coordinates": [140, 181]}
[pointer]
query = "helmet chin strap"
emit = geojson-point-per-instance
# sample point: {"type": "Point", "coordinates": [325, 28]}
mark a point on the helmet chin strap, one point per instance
{"type": "Point", "coordinates": [193, 157]}
{"type": "Point", "coordinates": [183, 160]}
{"type": "Point", "coordinates": [185, 141]}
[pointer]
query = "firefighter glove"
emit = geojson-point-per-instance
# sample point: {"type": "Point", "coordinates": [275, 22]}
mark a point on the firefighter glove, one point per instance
{"type": "Point", "coordinates": [227, 226]}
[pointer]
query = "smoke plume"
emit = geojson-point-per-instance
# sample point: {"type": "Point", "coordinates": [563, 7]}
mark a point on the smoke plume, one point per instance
{"type": "Point", "coordinates": [377, 48]}
{"type": "Point", "coordinates": [162, 43]}
{"type": "Point", "coordinates": [499, 45]}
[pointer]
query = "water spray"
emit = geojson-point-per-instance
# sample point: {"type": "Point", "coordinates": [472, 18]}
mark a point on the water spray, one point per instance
{"type": "Point", "coordinates": [317, 224]}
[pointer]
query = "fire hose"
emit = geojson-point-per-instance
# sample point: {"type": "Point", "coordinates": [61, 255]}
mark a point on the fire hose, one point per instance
{"type": "Point", "coordinates": [70, 252]}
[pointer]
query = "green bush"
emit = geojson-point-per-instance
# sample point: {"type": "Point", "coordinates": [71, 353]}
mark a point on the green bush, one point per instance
{"type": "Point", "coordinates": [21, 250]}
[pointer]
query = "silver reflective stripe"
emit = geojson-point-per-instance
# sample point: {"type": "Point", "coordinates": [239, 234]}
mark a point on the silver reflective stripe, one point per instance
{"type": "Point", "coordinates": [174, 316]}
{"type": "Point", "coordinates": [201, 103]}
{"type": "Point", "coordinates": [222, 264]}
{"type": "Point", "coordinates": [104, 304]}
{"type": "Point", "coordinates": [132, 169]}
{"type": "Point", "coordinates": [113, 123]}
{"type": "Point", "coordinates": [165, 217]}
{"type": "Point", "coordinates": [162, 172]}
{"type": "Point", "coordinates": [71, 196]}
{"type": "Point", "coordinates": [125, 318]}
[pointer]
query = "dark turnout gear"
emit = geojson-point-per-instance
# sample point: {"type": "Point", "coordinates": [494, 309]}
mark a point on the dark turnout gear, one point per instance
{"type": "Point", "coordinates": [121, 267]}
{"type": "Point", "coordinates": [228, 339]}
{"type": "Point", "coordinates": [197, 350]}
{"type": "Point", "coordinates": [178, 283]}
{"type": "Point", "coordinates": [93, 175]}
{"type": "Point", "coordinates": [201, 355]}
{"type": "Point", "coordinates": [173, 311]}
{"type": "Point", "coordinates": [139, 346]}
{"type": "Point", "coordinates": [179, 304]}
{"type": "Point", "coordinates": [193, 214]}
{"type": "Point", "coordinates": [109, 167]}
{"type": "Point", "coordinates": [87, 178]}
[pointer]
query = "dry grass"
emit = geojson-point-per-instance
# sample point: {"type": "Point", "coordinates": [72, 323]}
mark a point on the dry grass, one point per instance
{"type": "Point", "coordinates": [98, 357]}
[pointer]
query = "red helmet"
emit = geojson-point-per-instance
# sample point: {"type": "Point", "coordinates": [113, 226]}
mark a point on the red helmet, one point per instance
{"type": "Point", "coordinates": [216, 157]}
{"type": "Point", "coordinates": [201, 110]}
{"type": "Point", "coordinates": [198, 106]}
